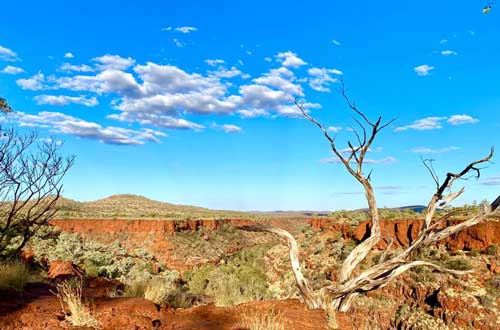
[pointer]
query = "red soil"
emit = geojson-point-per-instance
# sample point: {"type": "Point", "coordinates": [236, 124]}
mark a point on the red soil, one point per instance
{"type": "Point", "coordinates": [39, 309]}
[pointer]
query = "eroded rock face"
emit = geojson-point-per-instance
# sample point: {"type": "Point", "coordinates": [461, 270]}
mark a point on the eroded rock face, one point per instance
{"type": "Point", "coordinates": [62, 269]}
{"type": "Point", "coordinates": [403, 232]}
{"type": "Point", "coordinates": [89, 226]}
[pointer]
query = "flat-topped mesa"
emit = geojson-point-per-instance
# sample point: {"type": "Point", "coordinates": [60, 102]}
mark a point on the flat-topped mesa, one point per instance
{"type": "Point", "coordinates": [403, 232]}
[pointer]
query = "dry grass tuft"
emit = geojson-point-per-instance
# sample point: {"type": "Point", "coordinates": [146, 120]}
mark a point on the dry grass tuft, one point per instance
{"type": "Point", "coordinates": [156, 291]}
{"type": "Point", "coordinates": [263, 321]}
{"type": "Point", "coordinates": [79, 314]}
{"type": "Point", "coordinates": [13, 276]}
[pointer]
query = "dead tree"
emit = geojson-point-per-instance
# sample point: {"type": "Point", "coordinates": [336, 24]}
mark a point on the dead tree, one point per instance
{"type": "Point", "coordinates": [352, 283]}
{"type": "Point", "coordinates": [31, 171]}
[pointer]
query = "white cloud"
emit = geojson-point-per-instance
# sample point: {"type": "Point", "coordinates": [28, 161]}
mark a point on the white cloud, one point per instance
{"type": "Point", "coordinates": [282, 79]}
{"type": "Point", "coordinates": [428, 123]}
{"type": "Point", "coordinates": [336, 42]}
{"type": "Point", "coordinates": [113, 62]}
{"type": "Point", "coordinates": [462, 119]}
{"type": "Point", "coordinates": [157, 120]}
{"type": "Point", "coordinates": [448, 52]}
{"type": "Point", "coordinates": [67, 67]}
{"type": "Point", "coordinates": [177, 43]}
{"type": "Point", "coordinates": [423, 150]}
{"type": "Point", "coordinates": [9, 69]}
{"type": "Point", "coordinates": [228, 128]}
{"type": "Point", "coordinates": [334, 129]}
{"type": "Point", "coordinates": [214, 62]}
{"type": "Point", "coordinates": [322, 78]}
{"type": "Point", "coordinates": [431, 123]}
{"type": "Point", "coordinates": [290, 59]}
{"type": "Point", "coordinates": [69, 55]}
{"type": "Point", "coordinates": [186, 29]}
{"type": "Point", "coordinates": [423, 70]}
{"type": "Point", "coordinates": [384, 161]}
{"type": "Point", "coordinates": [34, 83]}
{"type": "Point", "coordinates": [226, 73]}
{"type": "Point", "coordinates": [62, 100]}
{"type": "Point", "coordinates": [58, 122]}
{"type": "Point", "coordinates": [7, 54]}
{"type": "Point", "coordinates": [492, 181]}
{"type": "Point", "coordinates": [443, 41]}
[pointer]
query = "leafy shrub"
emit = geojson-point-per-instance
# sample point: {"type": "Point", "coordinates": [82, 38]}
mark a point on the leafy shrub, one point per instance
{"type": "Point", "coordinates": [13, 276]}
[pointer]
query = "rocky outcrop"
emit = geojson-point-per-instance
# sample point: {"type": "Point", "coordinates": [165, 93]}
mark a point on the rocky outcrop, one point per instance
{"type": "Point", "coordinates": [403, 232]}
{"type": "Point", "coordinates": [89, 226]}
{"type": "Point", "coordinates": [63, 269]}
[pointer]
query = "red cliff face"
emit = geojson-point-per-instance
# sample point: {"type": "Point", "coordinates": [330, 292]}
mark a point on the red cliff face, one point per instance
{"type": "Point", "coordinates": [403, 232]}
{"type": "Point", "coordinates": [88, 226]}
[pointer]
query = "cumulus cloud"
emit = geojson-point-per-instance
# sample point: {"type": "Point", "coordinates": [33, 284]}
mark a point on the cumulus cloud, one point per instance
{"type": "Point", "coordinates": [58, 122]}
{"type": "Point", "coordinates": [423, 150]}
{"type": "Point", "coordinates": [290, 59]}
{"type": "Point", "coordinates": [162, 96]}
{"type": "Point", "coordinates": [321, 78]}
{"type": "Point", "coordinates": [113, 62]}
{"type": "Point", "coordinates": [62, 100]}
{"type": "Point", "coordinates": [462, 119]}
{"type": "Point", "coordinates": [448, 52]}
{"type": "Point", "coordinates": [281, 79]}
{"type": "Point", "coordinates": [34, 83]}
{"type": "Point", "coordinates": [157, 120]}
{"type": "Point", "coordinates": [69, 55]}
{"type": "Point", "coordinates": [423, 70]}
{"type": "Point", "coordinates": [9, 69]}
{"type": "Point", "coordinates": [8, 54]}
{"type": "Point", "coordinates": [424, 124]}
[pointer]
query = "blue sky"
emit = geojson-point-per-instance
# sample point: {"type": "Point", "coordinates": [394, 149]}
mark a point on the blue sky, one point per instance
{"type": "Point", "coordinates": [191, 102]}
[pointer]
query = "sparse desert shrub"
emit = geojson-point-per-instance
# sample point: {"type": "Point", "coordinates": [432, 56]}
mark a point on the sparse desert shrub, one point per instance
{"type": "Point", "coordinates": [157, 291]}
{"type": "Point", "coordinates": [13, 275]}
{"type": "Point", "coordinates": [457, 263]}
{"type": "Point", "coordinates": [242, 278]}
{"type": "Point", "coordinates": [492, 250]}
{"type": "Point", "coordinates": [475, 253]}
{"type": "Point", "coordinates": [263, 321]}
{"type": "Point", "coordinates": [135, 289]}
{"type": "Point", "coordinates": [70, 297]}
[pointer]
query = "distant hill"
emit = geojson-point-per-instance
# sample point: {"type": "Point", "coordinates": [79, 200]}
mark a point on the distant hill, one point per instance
{"type": "Point", "coordinates": [138, 207]}
{"type": "Point", "coordinates": [129, 206]}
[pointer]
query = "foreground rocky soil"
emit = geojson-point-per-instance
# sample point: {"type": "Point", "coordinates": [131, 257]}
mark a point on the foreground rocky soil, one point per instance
{"type": "Point", "coordinates": [39, 309]}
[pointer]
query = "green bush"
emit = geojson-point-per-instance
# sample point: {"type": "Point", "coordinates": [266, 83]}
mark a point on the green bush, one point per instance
{"type": "Point", "coordinates": [242, 278]}
{"type": "Point", "coordinates": [457, 263]}
{"type": "Point", "coordinates": [492, 250]}
{"type": "Point", "coordinates": [13, 276]}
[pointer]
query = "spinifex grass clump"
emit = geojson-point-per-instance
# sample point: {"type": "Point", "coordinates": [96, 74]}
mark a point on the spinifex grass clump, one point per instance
{"type": "Point", "coordinates": [70, 298]}
{"type": "Point", "coordinates": [269, 320]}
